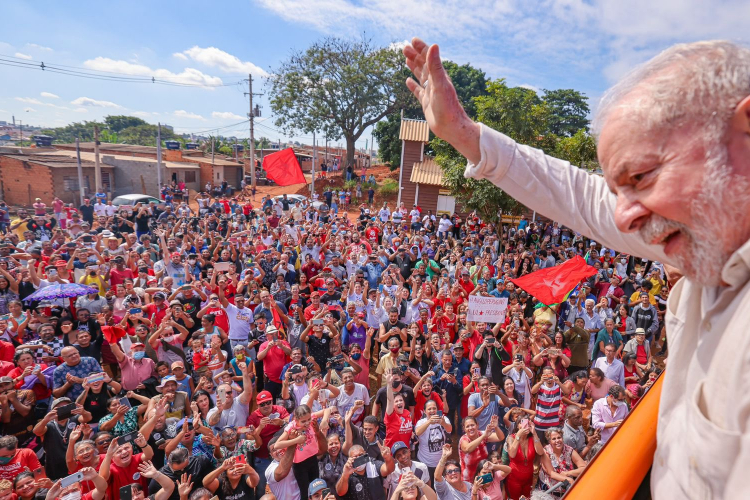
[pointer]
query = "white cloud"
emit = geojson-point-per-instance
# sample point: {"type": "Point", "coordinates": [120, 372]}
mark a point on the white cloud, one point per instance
{"type": "Point", "coordinates": [217, 58]}
{"type": "Point", "coordinates": [23, 56]}
{"type": "Point", "coordinates": [180, 55]}
{"type": "Point", "coordinates": [38, 47]}
{"type": "Point", "coordinates": [49, 95]}
{"type": "Point", "coordinates": [181, 113]}
{"type": "Point", "coordinates": [188, 75]}
{"type": "Point", "coordinates": [142, 114]}
{"type": "Point", "coordinates": [29, 100]}
{"type": "Point", "coordinates": [226, 115]}
{"type": "Point", "coordinates": [530, 87]}
{"type": "Point", "coordinates": [93, 103]}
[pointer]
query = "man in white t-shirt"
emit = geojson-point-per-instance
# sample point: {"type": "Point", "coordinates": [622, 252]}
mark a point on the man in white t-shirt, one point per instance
{"type": "Point", "coordinates": [231, 411]}
{"type": "Point", "coordinates": [278, 473]}
{"type": "Point", "coordinates": [240, 319]}
{"type": "Point", "coordinates": [404, 463]}
{"type": "Point", "coordinates": [351, 392]}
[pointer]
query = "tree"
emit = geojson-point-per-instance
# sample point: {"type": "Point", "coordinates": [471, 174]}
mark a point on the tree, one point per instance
{"type": "Point", "coordinates": [569, 111]}
{"type": "Point", "coordinates": [580, 150]}
{"type": "Point", "coordinates": [339, 88]}
{"type": "Point", "coordinates": [523, 116]}
{"type": "Point", "coordinates": [469, 81]}
{"type": "Point", "coordinates": [117, 123]}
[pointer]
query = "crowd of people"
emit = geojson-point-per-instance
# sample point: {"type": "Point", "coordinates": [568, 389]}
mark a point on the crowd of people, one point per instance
{"type": "Point", "coordinates": [280, 351]}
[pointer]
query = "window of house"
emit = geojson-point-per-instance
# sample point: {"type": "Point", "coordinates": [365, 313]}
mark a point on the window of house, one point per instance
{"type": "Point", "coordinates": [71, 183]}
{"type": "Point", "coordinates": [190, 176]}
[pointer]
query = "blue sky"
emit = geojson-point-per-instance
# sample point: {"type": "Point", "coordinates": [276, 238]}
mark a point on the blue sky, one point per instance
{"type": "Point", "coordinates": [581, 44]}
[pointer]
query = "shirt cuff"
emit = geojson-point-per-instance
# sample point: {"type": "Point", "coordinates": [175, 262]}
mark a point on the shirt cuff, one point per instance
{"type": "Point", "coordinates": [497, 152]}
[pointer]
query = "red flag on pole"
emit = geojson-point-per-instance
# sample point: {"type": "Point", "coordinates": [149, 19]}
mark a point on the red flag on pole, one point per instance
{"type": "Point", "coordinates": [283, 168]}
{"type": "Point", "coordinates": [550, 285]}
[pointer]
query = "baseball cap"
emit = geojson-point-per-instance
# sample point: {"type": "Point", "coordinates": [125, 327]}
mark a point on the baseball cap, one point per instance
{"type": "Point", "coordinates": [137, 344]}
{"type": "Point", "coordinates": [160, 295]}
{"type": "Point", "coordinates": [398, 445]}
{"type": "Point", "coordinates": [7, 380]}
{"type": "Point", "coordinates": [263, 396]}
{"type": "Point", "coordinates": [55, 403]}
{"type": "Point", "coordinates": [316, 486]}
{"type": "Point", "coordinates": [164, 382]}
{"type": "Point", "coordinates": [295, 369]}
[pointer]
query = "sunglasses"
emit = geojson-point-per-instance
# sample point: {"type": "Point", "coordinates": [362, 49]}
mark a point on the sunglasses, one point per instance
{"type": "Point", "coordinates": [265, 404]}
{"type": "Point", "coordinates": [452, 471]}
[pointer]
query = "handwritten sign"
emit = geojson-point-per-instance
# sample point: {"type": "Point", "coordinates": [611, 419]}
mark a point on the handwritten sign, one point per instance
{"type": "Point", "coordinates": [487, 309]}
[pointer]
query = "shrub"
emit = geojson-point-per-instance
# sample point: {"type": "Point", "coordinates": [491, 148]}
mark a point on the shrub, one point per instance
{"type": "Point", "coordinates": [388, 187]}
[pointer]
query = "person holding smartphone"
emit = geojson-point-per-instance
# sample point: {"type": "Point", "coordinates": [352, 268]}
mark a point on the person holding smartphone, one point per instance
{"type": "Point", "coordinates": [234, 480]}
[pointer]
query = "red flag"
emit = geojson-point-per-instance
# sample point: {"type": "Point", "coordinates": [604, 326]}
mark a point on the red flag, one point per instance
{"type": "Point", "coordinates": [283, 168]}
{"type": "Point", "coordinates": [113, 333]}
{"type": "Point", "coordinates": [550, 285]}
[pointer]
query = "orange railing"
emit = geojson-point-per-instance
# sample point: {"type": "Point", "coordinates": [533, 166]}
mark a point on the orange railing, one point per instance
{"type": "Point", "coordinates": [630, 452]}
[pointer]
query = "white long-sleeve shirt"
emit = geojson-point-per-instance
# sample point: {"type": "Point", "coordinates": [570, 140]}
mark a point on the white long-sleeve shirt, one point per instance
{"type": "Point", "coordinates": [601, 414]}
{"type": "Point", "coordinates": [703, 433]}
{"type": "Point", "coordinates": [613, 371]}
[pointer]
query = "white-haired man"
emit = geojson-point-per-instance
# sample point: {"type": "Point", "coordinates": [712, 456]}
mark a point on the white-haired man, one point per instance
{"type": "Point", "coordinates": [674, 146]}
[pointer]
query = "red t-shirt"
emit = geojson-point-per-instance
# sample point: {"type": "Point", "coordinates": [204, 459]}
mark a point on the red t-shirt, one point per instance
{"type": "Point", "coordinates": [24, 460]}
{"type": "Point", "coordinates": [122, 476]}
{"type": "Point", "coordinates": [7, 351]}
{"type": "Point", "coordinates": [421, 401]}
{"type": "Point", "coordinates": [118, 277]}
{"type": "Point", "coordinates": [40, 391]}
{"type": "Point", "coordinates": [398, 427]}
{"type": "Point", "coordinates": [268, 431]}
{"type": "Point", "coordinates": [151, 309]}
{"type": "Point", "coordinates": [222, 321]}
{"type": "Point", "coordinates": [274, 361]}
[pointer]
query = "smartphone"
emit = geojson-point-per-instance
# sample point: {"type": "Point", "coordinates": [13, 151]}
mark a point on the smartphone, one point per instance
{"type": "Point", "coordinates": [317, 322]}
{"type": "Point", "coordinates": [126, 492]}
{"type": "Point", "coordinates": [380, 288]}
{"type": "Point", "coordinates": [360, 461]}
{"type": "Point", "coordinates": [72, 479]}
{"type": "Point", "coordinates": [125, 402]}
{"type": "Point", "coordinates": [222, 393]}
{"type": "Point", "coordinates": [87, 239]}
{"type": "Point", "coordinates": [135, 310]}
{"type": "Point", "coordinates": [439, 413]}
{"type": "Point", "coordinates": [519, 358]}
{"type": "Point", "coordinates": [476, 371]}
{"type": "Point", "coordinates": [486, 478]}
{"type": "Point", "coordinates": [325, 492]}
{"type": "Point", "coordinates": [38, 473]}
{"type": "Point", "coordinates": [127, 438]}
{"type": "Point", "coordinates": [241, 459]}
{"type": "Point", "coordinates": [274, 416]}
{"type": "Point", "coordinates": [333, 308]}
{"type": "Point", "coordinates": [64, 412]}
{"type": "Point", "coordinates": [70, 244]}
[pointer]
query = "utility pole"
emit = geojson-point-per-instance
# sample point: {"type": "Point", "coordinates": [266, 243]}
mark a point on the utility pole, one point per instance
{"type": "Point", "coordinates": [80, 170]}
{"type": "Point", "coordinates": [158, 162]}
{"type": "Point", "coordinates": [372, 145]}
{"type": "Point", "coordinates": [20, 124]}
{"type": "Point", "coordinates": [97, 166]}
{"type": "Point", "coordinates": [213, 140]}
{"type": "Point", "coordinates": [312, 188]}
{"type": "Point", "coordinates": [235, 149]}
{"type": "Point", "coordinates": [251, 115]}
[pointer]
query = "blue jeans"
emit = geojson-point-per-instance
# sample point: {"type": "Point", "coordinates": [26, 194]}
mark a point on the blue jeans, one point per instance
{"type": "Point", "coordinates": [261, 464]}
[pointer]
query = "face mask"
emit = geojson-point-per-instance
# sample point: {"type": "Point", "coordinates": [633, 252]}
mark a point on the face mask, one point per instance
{"type": "Point", "coordinates": [361, 469]}
{"type": "Point", "coordinates": [192, 262]}
{"type": "Point", "coordinates": [5, 460]}
{"type": "Point", "coordinates": [261, 327]}
{"type": "Point", "coordinates": [239, 357]}
{"type": "Point", "coordinates": [620, 404]}
{"type": "Point", "coordinates": [76, 495]}
{"type": "Point", "coordinates": [395, 383]}
{"type": "Point", "coordinates": [298, 380]}
{"type": "Point", "coordinates": [356, 356]}
{"type": "Point", "coordinates": [396, 350]}
{"type": "Point", "coordinates": [139, 355]}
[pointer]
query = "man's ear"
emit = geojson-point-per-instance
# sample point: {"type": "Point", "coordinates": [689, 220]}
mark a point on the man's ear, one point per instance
{"type": "Point", "coordinates": [741, 118]}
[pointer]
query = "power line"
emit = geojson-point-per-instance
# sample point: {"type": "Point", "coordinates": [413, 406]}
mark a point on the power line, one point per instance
{"type": "Point", "coordinates": [101, 75]}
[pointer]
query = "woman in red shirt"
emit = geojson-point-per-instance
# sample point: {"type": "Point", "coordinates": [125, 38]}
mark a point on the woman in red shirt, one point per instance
{"type": "Point", "coordinates": [471, 385]}
{"type": "Point", "coordinates": [422, 393]}
{"type": "Point", "coordinates": [28, 375]}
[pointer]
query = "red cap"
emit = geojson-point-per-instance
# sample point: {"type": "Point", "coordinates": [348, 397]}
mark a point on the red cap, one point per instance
{"type": "Point", "coordinates": [326, 269]}
{"type": "Point", "coordinates": [61, 262]}
{"type": "Point", "coordinates": [175, 254]}
{"type": "Point", "coordinates": [263, 396]}
{"type": "Point", "coordinates": [315, 292]}
{"type": "Point", "coordinates": [137, 344]}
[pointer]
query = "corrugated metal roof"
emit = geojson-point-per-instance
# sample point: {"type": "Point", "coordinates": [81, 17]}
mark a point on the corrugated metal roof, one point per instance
{"type": "Point", "coordinates": [414, 130]}
{"type": "Point", "coordinates": [427, 172]}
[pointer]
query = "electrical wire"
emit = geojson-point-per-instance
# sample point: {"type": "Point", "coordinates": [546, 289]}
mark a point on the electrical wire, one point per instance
{"type": "Point", "coordinates": [90, 74]}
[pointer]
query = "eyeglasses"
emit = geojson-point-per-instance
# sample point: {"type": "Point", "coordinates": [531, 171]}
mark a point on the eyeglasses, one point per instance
{"type": "Point", "coordinates": [265, 404]}
{"type": "Point", "coordinates": [452, 471]}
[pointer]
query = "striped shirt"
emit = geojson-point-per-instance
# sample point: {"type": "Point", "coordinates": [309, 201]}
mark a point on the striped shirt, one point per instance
{"type": "Point", "coordinates": [548, 407]}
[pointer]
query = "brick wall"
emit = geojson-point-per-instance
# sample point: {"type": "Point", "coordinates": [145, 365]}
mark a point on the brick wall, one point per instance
{"type": "Point", "coordinates": [59, 175]}
{"type": "Point", "coordinates": [22, 182]}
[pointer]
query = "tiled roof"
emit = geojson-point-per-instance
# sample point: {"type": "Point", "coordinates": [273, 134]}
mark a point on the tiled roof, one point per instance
{"type": "Point", "coordinates": [427, 172]}
{"type": "Point", "coordinates": [414, 130]}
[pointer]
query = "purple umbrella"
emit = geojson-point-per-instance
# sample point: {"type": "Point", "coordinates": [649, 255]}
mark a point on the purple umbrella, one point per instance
{"type": "Point", "coordinates": [61, 291]}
